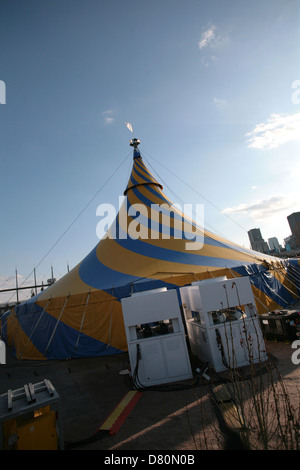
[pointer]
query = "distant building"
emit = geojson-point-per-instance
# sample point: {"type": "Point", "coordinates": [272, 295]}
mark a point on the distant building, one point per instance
{"type": "Point", "coordinates": [287, 244]}
{"type": "Point", "coordinates": [257, 241]}
{"type": "Point", "coordinates": [294, 222]}
{"type": "Point", "coordinates": [274, 244]}
{"type": "Point", "coordinates": [290, 243]}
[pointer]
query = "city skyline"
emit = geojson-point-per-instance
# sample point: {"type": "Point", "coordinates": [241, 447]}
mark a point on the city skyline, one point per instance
{"type": "Point", "coordinates": [273, 245]}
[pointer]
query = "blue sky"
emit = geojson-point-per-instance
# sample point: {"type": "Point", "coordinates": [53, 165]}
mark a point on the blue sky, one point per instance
{"type": "Point", "coordinates": [212, 89]}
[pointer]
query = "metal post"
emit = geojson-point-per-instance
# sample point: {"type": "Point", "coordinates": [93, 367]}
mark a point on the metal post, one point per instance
{"type": "Point", "coordinates": [35, 281]}
{"type": "Point", "coordinates": [17, 288]}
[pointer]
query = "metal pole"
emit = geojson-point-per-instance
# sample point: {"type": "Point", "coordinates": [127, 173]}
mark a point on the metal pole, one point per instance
{"type": "Point", "coordinates": [22, 288]}
{"type": "Point", "coordinates": [35, 281]}
{"type": "Point", "coordinates": [17, 288]}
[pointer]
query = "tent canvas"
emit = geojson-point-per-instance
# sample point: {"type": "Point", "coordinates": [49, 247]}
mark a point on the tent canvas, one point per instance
{"type": "Point", "coordinates": [80, 315]}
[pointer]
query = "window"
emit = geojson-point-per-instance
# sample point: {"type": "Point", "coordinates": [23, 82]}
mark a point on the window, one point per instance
{"type": "Point", "coordinates": [158, 328]}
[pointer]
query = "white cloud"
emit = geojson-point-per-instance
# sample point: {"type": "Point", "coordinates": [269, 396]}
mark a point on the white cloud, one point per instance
{"type": "Point", "coordinates": [7, 282]}
{"type": "Point", "coordinates": [108, 116]}
{"type": "Point", "coordinates": [279, 129]}
{"type": "Point", "coordinates": [213, 38]}
{"type": "Point", "coordinates": [10, 283]}
{"type": "Point", "coordinates": [207, 37]}
{"type": "Point", "coordinates": [219, 102]}
{"type": "Point", "coordinates": [262, 209]}
{"type": "Point", "coordinates": [269, 214]}
{"type": "Point", "coordinates": [109, 119]}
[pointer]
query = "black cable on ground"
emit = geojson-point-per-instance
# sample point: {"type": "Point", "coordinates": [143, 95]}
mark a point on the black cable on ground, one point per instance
{"type": "Point", "coordinates": [218, 379]}
{"type": "Point", "coordinates": [137, 385]}
{"type": "Point", "coordinates": [94, 438]}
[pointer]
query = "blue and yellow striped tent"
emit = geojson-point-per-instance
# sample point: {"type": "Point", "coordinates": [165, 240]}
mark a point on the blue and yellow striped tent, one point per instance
{"type": "Point", "coordinates": [80, 315]}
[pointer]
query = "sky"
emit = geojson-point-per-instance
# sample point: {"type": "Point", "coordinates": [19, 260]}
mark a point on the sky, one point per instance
{"type": "Point", "coordinates": [212, 90]}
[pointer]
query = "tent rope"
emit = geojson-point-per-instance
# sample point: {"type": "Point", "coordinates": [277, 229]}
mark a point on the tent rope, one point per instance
{"type": "Point", "coordinates": [110, 321]}
{"type": "Point", "coordinates": [212, 228]}
{"type": "Point", "coordinates": [296, 273]}
{"type": "Point", "coordinates": [54, 330]}
{"type": "Point", "coordinates": [293, 293]}
{"type": "Point", "coordinates": [197, 192]}
{"type": "Point", "coordinates": [35, 327]}
{"type": "Point", "coordinates": [256, 298]}
{"type": "Point", "coordinates": [82, 320]}
{"type": "Point", "coordinates": [76, 218]}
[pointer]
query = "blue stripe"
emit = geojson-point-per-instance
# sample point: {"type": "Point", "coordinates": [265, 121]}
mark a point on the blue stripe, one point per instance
{"type": "Point", "coordinates": [150, 188]}
{"type": "Point", "coordinates": [64, 340]}
{"type": "Point", "coordinates": [261, 278]}
{"type": "Point", "coordinates": [99, 276]}
{"type": "Point", "coordinates": [207, 240]}
{"type": "Point", "coordinates": [161, 228]}
{"type": "Point", "coordinates": [148, 203]}
{"type": "Point", "coordinates": [145, 179]}
{"type": "Point", "coordinates": [140, 164]}
{"type": "Point", "coordinates": [155, 252]}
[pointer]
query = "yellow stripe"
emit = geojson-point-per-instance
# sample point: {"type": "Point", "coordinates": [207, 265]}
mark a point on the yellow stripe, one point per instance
{"type": "Point", "coordinates": [70, 283]}
{"type": "Point", "coordinates": [108, 423]}
{"type": "Point", "coordinates": [134, 199]}
{"type": "Point", "coordinates": [144, 171]}
{"type": "Point", "coordinates": [140, 179]}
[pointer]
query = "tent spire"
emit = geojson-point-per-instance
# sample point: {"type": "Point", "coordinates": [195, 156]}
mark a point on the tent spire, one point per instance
{"type": "Point", "coordinates": [134, 143]}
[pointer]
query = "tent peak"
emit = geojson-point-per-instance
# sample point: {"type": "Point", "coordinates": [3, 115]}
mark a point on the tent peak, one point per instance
{"type": "Point", "coordinates": [135, 143]}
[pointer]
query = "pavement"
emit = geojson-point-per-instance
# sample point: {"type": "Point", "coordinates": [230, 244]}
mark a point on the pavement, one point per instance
{"type": "Point", "coordinates": [177, 420]}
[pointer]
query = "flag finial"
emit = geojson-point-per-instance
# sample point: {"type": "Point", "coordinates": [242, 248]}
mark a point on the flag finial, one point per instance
{"type": "Point", "coordinates": [134, 143]}
{"type": "Point", "coordinates": [129, 126]}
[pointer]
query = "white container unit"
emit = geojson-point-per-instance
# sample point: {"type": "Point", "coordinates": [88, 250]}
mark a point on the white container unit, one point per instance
{"type": "Point", "coordinates": [2, 352]}
{"type": "Point", "coordinates": [222, 323]}
{"type": "Point", "coordinates": [154, 329]}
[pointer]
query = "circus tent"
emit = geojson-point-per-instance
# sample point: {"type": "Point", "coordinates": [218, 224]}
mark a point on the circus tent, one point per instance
{"type": "Point", "coordinates": [80, 315]}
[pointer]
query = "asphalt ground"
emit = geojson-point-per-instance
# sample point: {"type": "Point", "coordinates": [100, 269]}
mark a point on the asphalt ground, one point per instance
{"type": "Point", "coordinates": [176, 421]}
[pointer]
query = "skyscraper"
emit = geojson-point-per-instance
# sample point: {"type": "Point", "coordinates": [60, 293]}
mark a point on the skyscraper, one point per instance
{"type": "Point", "coordinates": [257, 241]}
{"type": "Point", "coordinates": [274, 244]}
{"type": "Point", "coordinates": [294, 222]}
